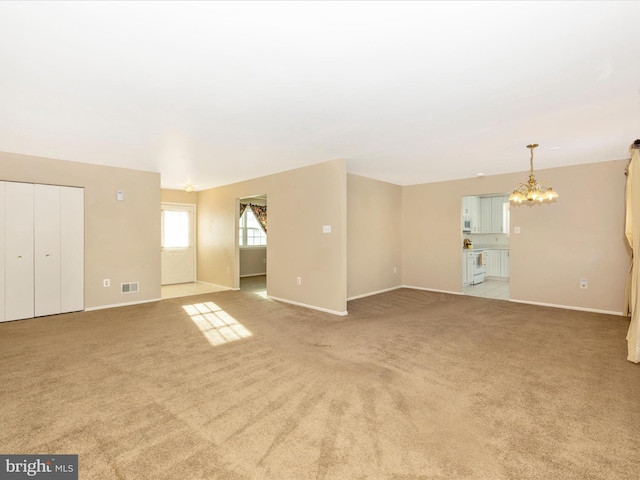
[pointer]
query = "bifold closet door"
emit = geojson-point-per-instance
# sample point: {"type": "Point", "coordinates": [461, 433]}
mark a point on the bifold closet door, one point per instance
{"type": "Point", "coordinates": [71, 249]}
{"type": "Point", "coordinates": [47, 250]}
{"type": "Point", "coordinates": [19, 274]}
{"type": "Point", "coordinates": [59, 249]}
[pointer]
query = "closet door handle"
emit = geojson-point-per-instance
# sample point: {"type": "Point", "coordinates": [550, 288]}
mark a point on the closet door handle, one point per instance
{"type": "Point", "coordinates": [19, 257]}
{"type": "Point", "coordinates": [47, 255]}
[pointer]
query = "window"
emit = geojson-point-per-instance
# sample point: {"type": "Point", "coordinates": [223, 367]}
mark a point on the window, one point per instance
{"type": "Point", "coordinates": [251, 233]}
{"type": "Point", "coordinates": [175, 229]}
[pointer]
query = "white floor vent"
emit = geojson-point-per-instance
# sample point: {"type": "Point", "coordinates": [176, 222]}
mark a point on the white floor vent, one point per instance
{"type": "Point", "coordinates": [129, 287]}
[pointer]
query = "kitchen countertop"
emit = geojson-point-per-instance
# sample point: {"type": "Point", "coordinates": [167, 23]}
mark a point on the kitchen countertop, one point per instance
{"type": "Point", "coordinates": [486, 247]}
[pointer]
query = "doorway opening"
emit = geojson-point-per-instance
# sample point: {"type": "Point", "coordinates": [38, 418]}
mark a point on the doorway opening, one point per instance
{"type": "Point", "coordinates": [178, 253]}
{"type": "Point", "coordinates": [485, 226]}
{"type": "Point", "coordinates": [252, 244]}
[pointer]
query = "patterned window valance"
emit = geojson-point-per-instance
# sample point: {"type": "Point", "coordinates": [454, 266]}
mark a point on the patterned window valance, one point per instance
{"type": "Point", "coordinates": [260, 212]}
{"type": "Point", "coordinates": [242, 207]}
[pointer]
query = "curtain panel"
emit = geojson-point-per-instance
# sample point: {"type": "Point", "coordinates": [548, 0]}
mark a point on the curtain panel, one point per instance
{"type": "Point", "coordinates": [632, 232]}
{"type": "Point", "coordinates": [260, 211]}
{"type": "Point", "coordinates": [242, 208]}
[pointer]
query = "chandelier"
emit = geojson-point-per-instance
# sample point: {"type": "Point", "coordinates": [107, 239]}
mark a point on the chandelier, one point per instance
{"type": "Point", "coordinates": [533, 191]}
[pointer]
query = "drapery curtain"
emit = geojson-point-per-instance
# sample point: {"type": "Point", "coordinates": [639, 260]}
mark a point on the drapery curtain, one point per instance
{"type": "Point", "coordinates": [632, 232]}
{"type": "Point", "coordinates": [242, 207]}
{"type": "Point", "coordinates": [260, 211]}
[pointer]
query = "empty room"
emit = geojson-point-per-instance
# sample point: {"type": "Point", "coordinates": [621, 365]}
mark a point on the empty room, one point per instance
{"type": "Point", "coordinates": [319, 240]}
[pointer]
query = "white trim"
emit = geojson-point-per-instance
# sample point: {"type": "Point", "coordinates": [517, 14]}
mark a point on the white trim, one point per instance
{"type": "Point", "coordinates": [254, 275]}
{"type": "Point", "coordinates": [431, 290]}
{"type": "Point", "coordinates": [207, 283]}
{"type": "Point", "coordinates": [313, 307]}
{"type": "Point", "coordinates": [373, 293]}
{"type": "Point", "coordinates": [103, 307]}
{"type": "Point", "coordinates": [176, 203]}
{"type": "Point", "coordinates": [568, 307]}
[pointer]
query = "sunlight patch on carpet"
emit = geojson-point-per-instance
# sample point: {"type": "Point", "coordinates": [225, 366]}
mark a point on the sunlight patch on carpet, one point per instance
{"type": "Point", "coordinates": [217, 326]}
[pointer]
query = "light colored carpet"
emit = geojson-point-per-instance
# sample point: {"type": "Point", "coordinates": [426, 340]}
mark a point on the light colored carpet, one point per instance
{"type": "Point", "coordinates": [410, 385]}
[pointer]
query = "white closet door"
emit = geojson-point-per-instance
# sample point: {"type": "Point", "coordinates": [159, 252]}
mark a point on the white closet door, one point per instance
{"type": "Point", "coordinates": [19, 285]}
{"type": "Point", "coordinates": [72, 249]}
{"type": "Point", "coordinates": [2, 252]}
{"type": "Point", "coordinates": [47, 250]}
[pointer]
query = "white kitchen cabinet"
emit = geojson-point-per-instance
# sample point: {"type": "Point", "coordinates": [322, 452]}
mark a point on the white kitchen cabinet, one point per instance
{"type": "Point", "coordinates": [504, 263]}
{"type": "Point", "coordinates": [468, 268]}
{"type": "Point", "coordinates": [492, 214]}
{"type": "Point", "coordinates": [497, 215]}
{"type": "Point", "coordinates": [494, 263]}
{"type": "Point", "coordinates": [466, 207]}
{"type": "Point", "coordinates": [474, 209]}
{"type": "Point", "coordinates": [486, 262]}
{"type": "Point", "coordinates": [471, 208]}
{"type": "Point", "coordinates": [485, 215]}
{"type": "Point", "coordinates": [464, 270]}
{"type": "Point", "coordinates": [43, 253]}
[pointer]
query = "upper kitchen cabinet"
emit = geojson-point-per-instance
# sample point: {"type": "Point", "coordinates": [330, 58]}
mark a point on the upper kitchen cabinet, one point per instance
{"type": "Point", "coordinates": [494, 214]}
{"type": "Point", "coordinates": [500, 214]}
{"type": "Point", "coordinates": [486, 225]}
{"type": "Point", "coordinates": [471, 210]}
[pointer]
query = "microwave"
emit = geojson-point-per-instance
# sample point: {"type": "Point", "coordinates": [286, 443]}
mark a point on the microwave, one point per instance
{"type": "Point", "coordinates": [466, 224]}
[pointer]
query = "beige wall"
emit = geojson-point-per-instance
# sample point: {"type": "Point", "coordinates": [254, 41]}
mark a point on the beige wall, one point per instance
{"type": "Point", "coordinates": [178, 196]}
{"type": "Point", "coordinates": [577, 237]}
{"type": "Point", "coordinates": [374, 236]}
{"type": "Point", "coordinates": [301, 201]}
{"type": "Point", "coordinates": [253, 261]}
{"type": "Point", "coordinates": [122, 239]}
{"type": "Point", "coordinates": [580, 236]}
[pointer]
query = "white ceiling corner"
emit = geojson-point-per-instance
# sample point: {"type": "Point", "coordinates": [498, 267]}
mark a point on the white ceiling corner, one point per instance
{"type": "Point", "coordinates": [211, 93]}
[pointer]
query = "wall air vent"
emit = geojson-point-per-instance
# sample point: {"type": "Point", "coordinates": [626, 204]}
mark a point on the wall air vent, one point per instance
{"type": "Point", "coordinates": [129, 287]}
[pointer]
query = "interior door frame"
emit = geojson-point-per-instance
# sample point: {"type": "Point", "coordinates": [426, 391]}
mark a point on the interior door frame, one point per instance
{"type": "Point", "coordinates": [236, 258]}
{"type": "Point", "coordinates": [194, 233]}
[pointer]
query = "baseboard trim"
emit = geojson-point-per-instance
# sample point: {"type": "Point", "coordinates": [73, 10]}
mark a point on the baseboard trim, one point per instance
{"type": "Point", "coordinates": [213, 284]}
{"type": "Point", "coordinates": [126, 304]}
{"type": "Point", "coordinates": [313, 307]}
{"type": "Point", "coordinates": [254, 275]}
{"type": "Point", "coordinates": [568, 307]}
{"type": "Point", "coordinates": [431, 290]}
{"type": "Point", "coordinates": [373, 293]}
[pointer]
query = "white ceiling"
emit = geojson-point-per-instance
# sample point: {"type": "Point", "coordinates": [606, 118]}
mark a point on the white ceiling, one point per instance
{"type": "Point", "coordinates": [212, 93]}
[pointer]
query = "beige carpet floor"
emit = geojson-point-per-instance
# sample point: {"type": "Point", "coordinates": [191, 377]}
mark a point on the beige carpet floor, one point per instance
{"type": "Point", "coordinates": [409, 385]}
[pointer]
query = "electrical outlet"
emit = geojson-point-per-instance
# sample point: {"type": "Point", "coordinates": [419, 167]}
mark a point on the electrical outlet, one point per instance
{"type": "Point", "coordinates": [106, 282]}
{"type": "Point", "coordinates": [395, 269]}
{"type": "Point", "coordinates": [299, 280]}
{"type": "Point", "coordinates": [584, 283]}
